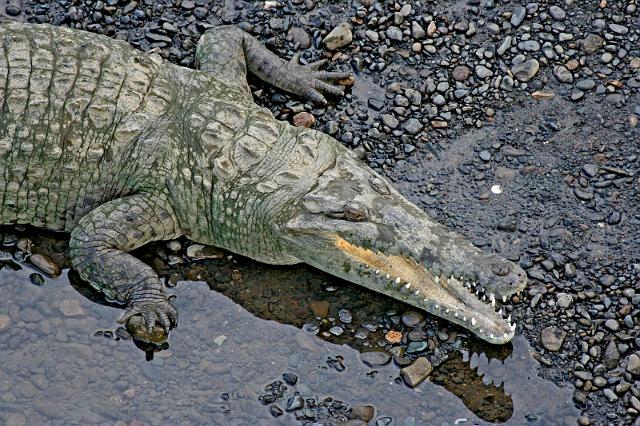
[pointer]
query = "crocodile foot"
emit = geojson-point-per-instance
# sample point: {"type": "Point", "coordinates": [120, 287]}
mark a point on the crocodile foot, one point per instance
{"type": "Point", "coordinates": [153, 312]}
{"type": "Point", "coordinates": [310, 81]}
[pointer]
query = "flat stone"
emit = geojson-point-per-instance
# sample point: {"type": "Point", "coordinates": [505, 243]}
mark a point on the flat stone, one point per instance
{"type": "Point", "coordinates": [591, 43]}
{"type": "Point", "coordinates": [564, 300]}
{"type": "Point", "coordinates": [375, 358]}
{"type": "Point", "coordinates": [633, 365]}
{"type": "Point", "coordinates": [619, 29]}
{"type": "Point", "coordinates": [412, 126]}
{"type": "Point", "coordinates": [526, 70]}
{"type": "Point", "coordinates": [417, 372]}
{"type": "Point", "coordinates": [612, 325]}
{"type": "Point", "coordinates": [557, 13]}
{"type": "Point", "coordinates": [389, 121]}
{"type": "Point", "coordinates": [586, 84]}
{"type": "Point", "coordinates": [562, 74]}
{"type": "Point", "coordinates": [518, 15]}
{"type": "Point", "coordinates": [394, 33]}
{"type": "Point", "coordinates": [339, 37]}
{"type": "Point", "coordinates": [552, 338]}
{"type": "Point", "coordinates": [71, 308]}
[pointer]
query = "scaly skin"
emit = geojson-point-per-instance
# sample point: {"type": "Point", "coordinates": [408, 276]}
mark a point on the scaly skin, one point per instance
{"type": "Point", "coordinates": [120, 148]}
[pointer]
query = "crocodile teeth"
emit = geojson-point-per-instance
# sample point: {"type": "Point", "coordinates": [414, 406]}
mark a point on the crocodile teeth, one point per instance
{"type": "Point", "coordinates": [464, 319]}
{"type": "Point", "coordinates": [436, 279]}
{"type": "Point", "coordinates": [505, 335]}
{"type": "Point", "coordinates": [455, 315]}
{"type": "Point", "coordinates": [513, 327]}
{"type": "Point", "coordinates": [425, 299]}
{"type": "Point", "coordinates": [407, 286]}
{"type": "Point", "coordinates": [500, 312]}
{"type": "Point", "coordinates": [387, 276]}
{"type": "Point", "coordinates": [377, 272]}
{"type": "Point", "coordinates": [504, 299]}
{"type": "Point", "coordinates": [473, 321]}
{"type": "Point", "coordinates": [446, 311]}
{"type": "Point", "coordinates": [397, 280]}
{"type": "Point", "coordinates": [437, 306]}
{"type": "Point", "coordinates": [491, 335]}
{"type": "Point", "coordinates": [509, 319]}
{"type": "Point", "coordinates": [417, 292]}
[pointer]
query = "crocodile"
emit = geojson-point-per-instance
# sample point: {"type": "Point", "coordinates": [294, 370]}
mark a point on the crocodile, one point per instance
{"type": "Point", "coordinates": [120, 148]}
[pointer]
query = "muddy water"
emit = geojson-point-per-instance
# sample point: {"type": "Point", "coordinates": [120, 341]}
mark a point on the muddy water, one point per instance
{"type": "Point", "coordinates": [62, 362]}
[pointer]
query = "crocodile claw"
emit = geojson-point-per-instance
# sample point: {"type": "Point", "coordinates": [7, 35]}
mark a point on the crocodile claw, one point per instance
{"type": "Point", "coordinates": [309, 81]}
{"type": "Point", "coordinates": [159, 312]}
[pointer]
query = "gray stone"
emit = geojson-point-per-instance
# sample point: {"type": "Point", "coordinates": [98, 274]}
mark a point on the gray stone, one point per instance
{"type": "Point", "coordinates": [518, 15]}
{"type": "Point", "coordinates": [417, 31]}
{"type": "Point", "coordinates": [389, 121]}
{"type": "Point", "coordinates": [591, 43]}
{"type": "Point", "coordinates": [394, 33]}
{"type": "Point", "coordinates": [412, 126]}
{"type": "Point", "coordinates": [375, 358]}
{"type": "Point", "coordinates": [611, 355]}
{"type": "Point", "coordinates": [564, 300]}
{"type": "Point", "coordinates": [618, 29]}
{"type": "Point", "coordinates": [483, 72]}
{"type": "Point", "coordinates": [339, 37]}
{"type": "Point", "coordinates": [552, 338]}
{"type": "Point", "coordinates": [586, 84]}
{"type": "Point", "coordinates": [562, 74]}
{"type": "Point", "coordinates": [633, 365]}
{"type": "Point", "coordinates": [557, 13]}
{"type": "Point", "coordinates": [526, 70]}
{"type": "Point", "coordinates": [415, 373]}
{"type": "Point", "coordinates": [610, 395]}
{"type": "Point", "coordinates": [612, 325]}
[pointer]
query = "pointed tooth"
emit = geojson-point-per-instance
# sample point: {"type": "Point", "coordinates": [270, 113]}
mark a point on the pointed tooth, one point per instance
{"type": "Point", "coordinates": [474, 283]}
{"type": "Point", "coordinates": [387, 276]}
{"type": "Point", "coordinates": [425, 299]}
{"type": "Point", "coordinates": [492, 297]}
{"type": "Point", "coordinates": [473, 321]}
{"type": "Point", "coordinates": [446, 311]}
{"type": "Point", "coordinates": [504, 299]}
{"type": "Point", "coordinates": [464, 319]}
{"type": "Point", "coordinates": [455, 315]}
{"type": "Point", "coordinates": [491, 335]}
{"type": "Point", "coordinates": [436, 279]}
{"type": "Point", "coordinates": [484, 298]}
{"type": "Point", "coordinates": [437, 306]}
{"type": "Point", "coordinates": [493, 303]}
{"type": "Point", "coordinates": [513, 327]}
{"type": "Point", "coordinates": [377, 272]}
{"type": "Point", "coordinates": [500, 312]}
{"type": "Point", "coordinates": [509, 319]}
{"type": "Point", "coordinates": [407, 286]}
{"type": "Point", "coordinates": [417, 292]}
{"type": "Point", "coordinates": [397, 280]}
{"type": "Point", "coordinates": [481, 331]}
{"type": "Point", "coordinates": [505, 336]}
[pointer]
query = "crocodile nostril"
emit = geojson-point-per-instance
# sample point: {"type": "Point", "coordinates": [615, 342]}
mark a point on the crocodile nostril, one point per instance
{"type": "Point", "coordinates": [501, 269]}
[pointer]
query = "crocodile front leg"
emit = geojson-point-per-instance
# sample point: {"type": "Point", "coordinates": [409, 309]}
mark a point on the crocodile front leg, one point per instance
{"type": "Point", "coordinates": [228, 52]}
{"type": "Point", "coordinates": [99, 245]}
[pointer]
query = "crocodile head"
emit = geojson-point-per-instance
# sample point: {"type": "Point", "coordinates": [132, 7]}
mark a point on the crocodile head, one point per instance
{"type": "Point", "coordinates": [354, 225]}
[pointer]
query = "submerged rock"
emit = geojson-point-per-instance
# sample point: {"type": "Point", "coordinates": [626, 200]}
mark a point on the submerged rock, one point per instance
{"type": "Point", "coordinates": [415, 374]}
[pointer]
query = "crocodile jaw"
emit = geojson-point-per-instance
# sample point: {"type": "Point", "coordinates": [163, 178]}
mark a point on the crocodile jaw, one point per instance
{"type": "Point", "coordinates": [454, 298]}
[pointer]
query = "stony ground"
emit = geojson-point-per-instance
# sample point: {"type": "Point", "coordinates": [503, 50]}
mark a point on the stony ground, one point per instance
{"type": "Point", "coordinates": [515, 123]}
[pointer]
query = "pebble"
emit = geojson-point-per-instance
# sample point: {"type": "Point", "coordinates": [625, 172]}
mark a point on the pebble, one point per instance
{"type": "Point", "coordinates": [633, 365]}
{"type": "Point", "coordinates": [290, 378]}
{"type": "Point", "coordinates": [393, 337]}
{"type": "Point", "coordinates": [5, 320]}
{"type": "Point", "coordinates": [295, 403]}
{"type": "Point", "coordinates": [562, 74]}
{"type": "Point", "coordinates": [45, 264]}
{"type": "Point", "coordinates": [460, 73]}
{"type": "Point", "coordinates": [304, 119]}
{"type": "Point", "coordinates": [591, 43]}
{"type": "Point", "coordinates": [557, 13]}
{"type": "Point", "coordinates": [339, 37]}
{"type": "Point", "coordinates": [37, 279]}
{"type": "Point", "coordinates": [375, 358]}
{"type": "Point", "coordinates": [417, 372]}
{"type": "Point", "coordinates": [13, 10]}
{"type": "Point", "coordinates": [526, 70]}
{"type": "Point", "coordinates": [394, 33]}
{"type": "Point", "coordinates": [552, 338]}
{"type": "Point", "coordinates": [345, 316]}
{"type": "Point", "coordinates": [412, 318]}
{"type": "Point", "coordinates": [71, 308]}
{"type": "Point", "coordinates": [564, 300]}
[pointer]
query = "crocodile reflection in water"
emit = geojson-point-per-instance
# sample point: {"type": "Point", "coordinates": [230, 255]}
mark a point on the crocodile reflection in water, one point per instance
{"type": "Point", "coordinates": [266, 292]}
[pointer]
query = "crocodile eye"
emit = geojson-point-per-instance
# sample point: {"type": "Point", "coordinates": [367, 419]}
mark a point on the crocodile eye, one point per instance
{"type": "Point", "coordinates": [379, 185]}
{"type": "Point", "coordinates": [355, 212]}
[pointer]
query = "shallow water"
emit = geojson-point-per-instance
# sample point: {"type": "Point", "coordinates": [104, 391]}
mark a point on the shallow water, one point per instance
{"type": "Point", "coordinates": [56, 370]}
